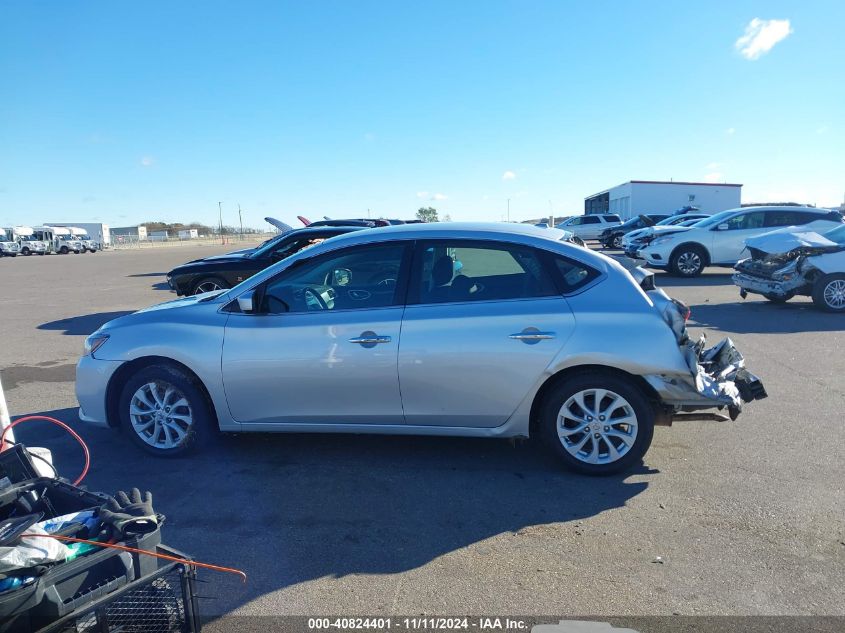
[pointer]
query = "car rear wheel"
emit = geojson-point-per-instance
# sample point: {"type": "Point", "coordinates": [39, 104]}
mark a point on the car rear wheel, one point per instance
{"type": "Point", "coordinates": [64, 250]}
{"type": "Point", "coordinates": [597, 423]}
{"type": "Point", "coordinates": [688, 261]}
{"type": "Point", "coordinates": [617, 241]}
{"type": "Point", "coordinates": [25, 251]}
{"type": "Point", "coordinates": [209, 284]}
{"type": "Point", "coordinates": [829, 293]}
{"type": "Point", "coordinates": [164, 411]}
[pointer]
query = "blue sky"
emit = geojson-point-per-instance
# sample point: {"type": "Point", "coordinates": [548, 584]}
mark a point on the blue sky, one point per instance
{"type": "Point", "coordinates": [124, 112]}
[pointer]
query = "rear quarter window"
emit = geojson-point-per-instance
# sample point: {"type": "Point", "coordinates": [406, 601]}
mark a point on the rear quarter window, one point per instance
{"type": "Point", "coordinates": [574, 275]}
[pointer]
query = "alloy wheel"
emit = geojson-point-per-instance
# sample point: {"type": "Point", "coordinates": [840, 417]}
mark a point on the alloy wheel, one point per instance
{"type": "Point", "coordinates": [597, 426]}
{"type": "Point", "coordinates": [834, 294]}
{"type": "Point", "coordinates": [208, 286]}
{"type": "Point", "coordinates": [689, 263]}
{"type": "Point", "coordinates": [160, 415]}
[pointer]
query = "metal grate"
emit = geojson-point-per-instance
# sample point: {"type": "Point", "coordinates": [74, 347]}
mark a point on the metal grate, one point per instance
{"type": "Point", "coordinates": [156, 607]}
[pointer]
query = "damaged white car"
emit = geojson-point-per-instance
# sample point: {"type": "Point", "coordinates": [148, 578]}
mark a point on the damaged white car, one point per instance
{"type": "Point", "coordinates": [783, 265]}
{"type": "Point", "coordinates": [477, 330]}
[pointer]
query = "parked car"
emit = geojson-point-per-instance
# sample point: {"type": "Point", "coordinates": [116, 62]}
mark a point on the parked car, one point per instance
{"type": "Point", "coordinates": [720, 239]}
{"type": "Point", "coordinates": [589, 227]}
{"type": "Point", "coordinates": [633, 241]}
{"type": "Point", "coordinates": [785, 264]}
{"type": "Point", "coordinates": [490, 330]}
{"type": "Point", "coordinates": [224, 271]}
{"type": "Point", "coordinates": [612, 237]}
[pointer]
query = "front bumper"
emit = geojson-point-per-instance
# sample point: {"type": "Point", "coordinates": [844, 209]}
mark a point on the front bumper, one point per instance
{"type": "Point", "coordinates": [717, 378]}
{"type": "Point", "coordinates": [92, 380]}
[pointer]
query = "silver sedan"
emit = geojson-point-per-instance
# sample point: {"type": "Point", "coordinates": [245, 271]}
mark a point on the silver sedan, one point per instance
{"type": "Point", "coordinates": [483, 330]}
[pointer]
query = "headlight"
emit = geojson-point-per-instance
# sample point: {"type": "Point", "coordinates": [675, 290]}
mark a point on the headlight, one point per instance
{"type": "Point", "coordinates": [787, 272]}
{"type": "Point", "coordinates": [94, 342]}
{"type": "Point", "coordinates": [661, 240]}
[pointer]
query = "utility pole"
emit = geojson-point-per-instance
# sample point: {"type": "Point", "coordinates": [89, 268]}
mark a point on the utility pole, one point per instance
{"type": "Point", "coordinates": [220, 209]}
{"type": "Point", "coordinates": [241, 219]}
{"type": "Point", "coordinates": [509, 209]}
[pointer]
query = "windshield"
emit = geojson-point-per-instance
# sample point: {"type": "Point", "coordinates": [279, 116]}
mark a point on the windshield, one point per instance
{"type": "Point", "coordinates": [264, 248]}
{"type": "Point", "coordinates": [65, 238]}
{"type": "Point", "coordinates": [82, 237]}
{"type": "Point", "coordinates": [837, 235]}
{"type": "Point", "coordinates": [713, 220]}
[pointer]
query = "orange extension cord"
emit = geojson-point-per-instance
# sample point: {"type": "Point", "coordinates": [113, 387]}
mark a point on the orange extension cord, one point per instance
{"type": "Point", "coordinates": [73, 434]}
{"type": "Point", "coordinates": [135, 550]}
{"type": "Point", "coordinates": [71, 539]}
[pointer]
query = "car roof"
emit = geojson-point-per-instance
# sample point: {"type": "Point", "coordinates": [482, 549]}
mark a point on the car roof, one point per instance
{"type": "Point", "coordinates": [766, 207]}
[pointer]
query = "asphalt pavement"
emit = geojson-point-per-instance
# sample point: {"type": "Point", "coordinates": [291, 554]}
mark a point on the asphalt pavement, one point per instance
{"type": "Point", "coordinates": [741, 518]}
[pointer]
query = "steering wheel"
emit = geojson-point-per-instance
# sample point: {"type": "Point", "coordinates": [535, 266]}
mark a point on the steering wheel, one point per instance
{"type": "Point", "coordinates": [313, 297]}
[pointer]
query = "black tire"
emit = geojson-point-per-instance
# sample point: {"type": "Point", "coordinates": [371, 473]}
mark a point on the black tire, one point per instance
{"type": "Point", "coordinates": [64, 250]}
{"type": "Point", "coordinates": [828, 284]}
{"type": "Point", "coordinates": [577, 240]}
{"type": "Point", "coordinates": [25, 251]}
{"type": "Point", "coordinates": [777, 299]}
{"type": "Point", "coordinates": [617, 241]}
{"type": "Point", "coordinates": [560, 394]}
{"type": "Point", "coordinates": [203, 424]}
{"type": "Point", "coordinates": [42, 253]}
{"type": "Point", "coordinates": [688, 260]}
{"type": "Point", "coordinates": [13, 255]}
{"type": "Point", "coordinates": [209, 280]}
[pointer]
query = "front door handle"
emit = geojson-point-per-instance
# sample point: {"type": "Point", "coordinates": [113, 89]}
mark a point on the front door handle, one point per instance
{"type": "Point", "coordinates": [531, 335]}
{"type": "Point", "coordinates": [369, 339]}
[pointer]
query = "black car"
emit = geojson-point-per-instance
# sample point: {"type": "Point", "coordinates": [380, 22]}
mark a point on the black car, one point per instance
{"type": "Point", "coordinates": [612, 237]}
{"type": "Point", "coordinates": [224, 271]}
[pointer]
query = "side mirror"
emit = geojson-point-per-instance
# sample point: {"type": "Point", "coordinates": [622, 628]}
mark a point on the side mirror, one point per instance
{"type": "Point", "coordinates": [722, 227]}
{"type": "Point", "coordinates": [246, 302]}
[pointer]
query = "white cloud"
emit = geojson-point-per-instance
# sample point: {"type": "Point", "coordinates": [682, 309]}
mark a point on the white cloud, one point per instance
{"type": "Point", "coordinates": [147, 161]}
{"type": "Point", "coordinates": [426, 195]}
{"type": "Point", "coordinates": [714, 177]}
{"type": "Point", "coordinates": [760, 37]}
{"type": "Point", "coordinates": [509, 175]}
{"type": "Point", "coordinates": [713, 166]}
{"type": "Point", "coordinates": [730, 131]}
{"type": "Point", "coordinates": [823, 130]}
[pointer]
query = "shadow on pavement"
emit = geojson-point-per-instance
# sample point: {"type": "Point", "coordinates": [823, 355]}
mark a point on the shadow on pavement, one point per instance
{"type": "Point", "coordinates": [148, 275]}
{"type": "Point", "coordinates": [759, 316]}
{"type": "Point", "coordinates": [83, 325]}
{"type": "Point", "coordinates": [666, 280]}
{"type": "Point", "coordinates": [291, 508]}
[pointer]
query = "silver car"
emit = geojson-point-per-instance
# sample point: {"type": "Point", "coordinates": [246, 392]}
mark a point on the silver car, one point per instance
{"type": "Point", "coordinates": [483, 330]}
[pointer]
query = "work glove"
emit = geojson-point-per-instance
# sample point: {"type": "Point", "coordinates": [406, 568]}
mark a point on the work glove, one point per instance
{"type": "Point", "coordinates": [130, 515]}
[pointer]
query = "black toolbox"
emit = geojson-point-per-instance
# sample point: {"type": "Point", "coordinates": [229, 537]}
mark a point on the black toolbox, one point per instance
{"type": "Point", "coordinates": [68, 588]}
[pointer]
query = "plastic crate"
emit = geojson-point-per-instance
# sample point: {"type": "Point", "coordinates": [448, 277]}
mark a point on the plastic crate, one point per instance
{"type": "Point", "coordinates": [162, 602]}
{"type": "Point", "coordinates": [69, 586]}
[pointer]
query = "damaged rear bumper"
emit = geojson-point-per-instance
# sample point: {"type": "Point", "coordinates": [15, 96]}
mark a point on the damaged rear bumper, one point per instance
{"type": "Point", "coordinates": [717, 378]}
{"type": "Point", "coordinates": [762, 286]}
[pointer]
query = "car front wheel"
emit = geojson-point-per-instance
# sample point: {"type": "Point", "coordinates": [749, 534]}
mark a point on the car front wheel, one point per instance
{"type": "Point", "coordinates": [597, 423]}
{"type": "Point", "coordinates": [165, 412]}
{"type": "Point", "coordinates": [829, 293]}
{"type": "Point", "coordinates": [688, 261]}
{"type": "Point", "coordinates": [209, 284]}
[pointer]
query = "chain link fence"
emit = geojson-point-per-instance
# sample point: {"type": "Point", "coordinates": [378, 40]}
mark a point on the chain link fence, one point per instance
{"type": "Point", "coordinates": [122, 242]}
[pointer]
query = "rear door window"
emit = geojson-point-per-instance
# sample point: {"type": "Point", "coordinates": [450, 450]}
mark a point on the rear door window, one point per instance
{"type": "Point", "coordinates": [453, 271]}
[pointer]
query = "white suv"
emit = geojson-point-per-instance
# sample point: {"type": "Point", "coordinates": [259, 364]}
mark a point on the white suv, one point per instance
{"type": "Point", "coordinates": [720, 239]}
{"type": "Point", "coordinates": [589, 227]}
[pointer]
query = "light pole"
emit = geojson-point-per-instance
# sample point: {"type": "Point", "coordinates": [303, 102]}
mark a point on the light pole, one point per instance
{"type": "Point", "coordinates": [241, 220]}
{"type": "Point", "coordinates": [220, 209]}
{"type": "Point", "coordinates": [509, 209]}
